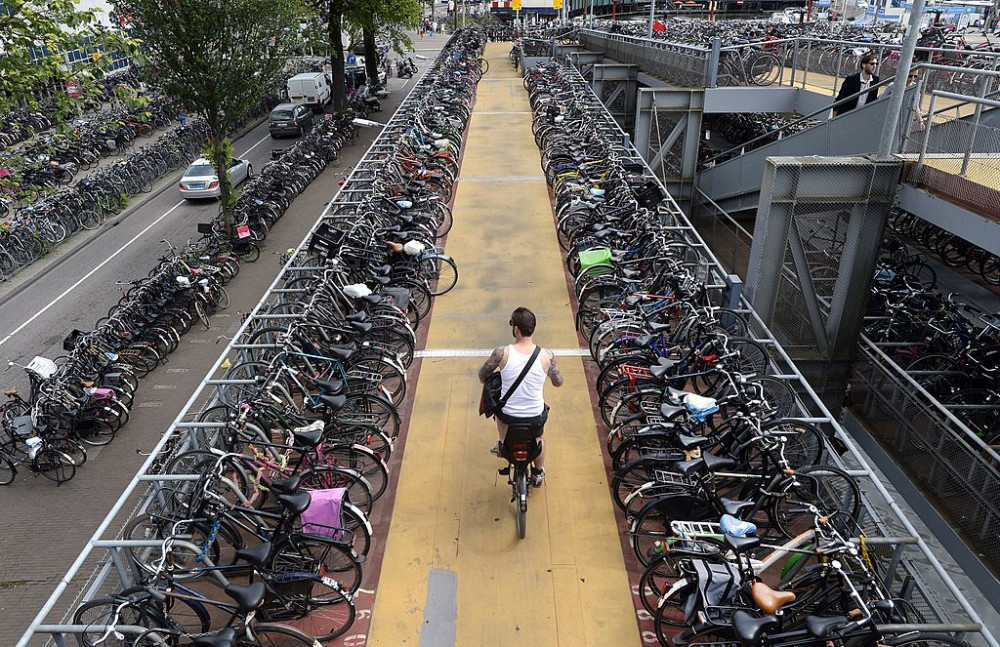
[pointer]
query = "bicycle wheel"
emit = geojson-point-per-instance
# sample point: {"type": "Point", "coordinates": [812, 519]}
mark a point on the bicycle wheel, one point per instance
{"type": "Point", "coordinates": [830, 489]}
{"type": "Point", "coordinates": [664, 571]}
{"type": "Point", "coordinates": [275, 635]}
{"type": "Point", "coordinates": [521, 481]}
{"type": "Point", "coordinates": [319, 556]}
{"type": "Point", "coordinates": [54, 465]}
{"type": "Point", "coordinates": [484, 65]}
{"type": "Point", "coordinates": [199, 309]}
{"type": "Point", "coordinates": [7, 471]}
{"type": "Point", "coordinates": [8, 265]}
{"type": "Point", "coordinates": [362, 460]}
{"type": "Point", "coordinates": [764, 69]}
{"type": "Point", "coordinates": [316, 606]}
{"type": "Point", "coordinates": [440, 272]}
{"type": "Point", "coordinates": [365, 408]}
{"type": "Point", "coordinates": [100, 612]}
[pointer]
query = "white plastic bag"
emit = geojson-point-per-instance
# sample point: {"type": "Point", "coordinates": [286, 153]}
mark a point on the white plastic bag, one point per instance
{"type": "Point", "coordinates": [413, 247]}
{"type": "Point", "coordinates": [357, 291]}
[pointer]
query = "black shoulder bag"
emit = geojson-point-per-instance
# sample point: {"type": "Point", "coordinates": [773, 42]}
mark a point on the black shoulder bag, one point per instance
{"type": "Point", "coordinates": [491, 403]}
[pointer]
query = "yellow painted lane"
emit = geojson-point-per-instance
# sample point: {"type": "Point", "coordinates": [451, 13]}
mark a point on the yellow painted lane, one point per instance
{"type": "Point", "coordinates": [565, 583]}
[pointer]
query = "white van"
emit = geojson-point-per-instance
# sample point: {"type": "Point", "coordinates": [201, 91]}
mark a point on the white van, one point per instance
{"type": "Point", "coordinates": [310, 88]}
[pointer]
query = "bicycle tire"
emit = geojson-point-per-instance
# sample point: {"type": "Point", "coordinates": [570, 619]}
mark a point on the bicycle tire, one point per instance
{"type": "Point", "coordinates": [319, 555]}
{"type": "Point", "coordinates": [54, 465]}
{"type": "Point", "coordinates": [8, 471]}
{"type": "Point", "coordinates": [521, 502]}
{"type": "Point", "coordinates": [276, 635]}
{"type": "Point", "coordinates": [323, 611]}
{"type": "Point", "coordinates": [97, 613]}
{"type": "Point", "coordinates": [364, 461]}
{"type": "Point", "coordinates": [829, 488]}
{"type": "Point", "coordinates": [199, 309]}
{"type": "Point", "coordinates": [325, 477]}
{"type": "Point", "coordinates": [440, 272]}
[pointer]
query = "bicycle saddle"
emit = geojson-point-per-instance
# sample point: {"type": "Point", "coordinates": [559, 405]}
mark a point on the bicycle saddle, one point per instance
{"type": "Point", "coordinates": [288, 486]}
{"type": "Point", "coordinates": [744, 544]}
{"type": "Point", "coordinates": [690, 442]}
{"type": "Point", "coordinates": [663, 365]}
{"type": "Point", "coordinates": [225, 638]}
{"type": "Point", "coordinates": [820, 627]}
{"type": "Point", "coordinates": [331, 387]}
{"type": "Point", "coordinates": [334, 402]}
{"type": "Point", "coordinates": [256, 556]}
{"type": "Point", "coordinates": [715, 463]}
{"type": "Point", "coordinates": [247, 597]}
{"type": "Point", "coordinates": [734, 507]}
{"type": "Point", "coordinates": [295, 503]}
{"type": "Point", "coordinates": [339, 352]}
{"type": "Point", "coordinates": [11, 391]}
{"type": "Point", "coordinates": [310, 436]}
{"type": "Point", "coordinates": [363, 326]}
{"type": "Point", "coordinates": [770, 600]}
{"type": "Point", "coordinates": [750, 630]}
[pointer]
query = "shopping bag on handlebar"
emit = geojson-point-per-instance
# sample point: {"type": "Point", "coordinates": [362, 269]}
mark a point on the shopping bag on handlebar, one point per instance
{"type": "Point", "coordinates": [490, 402]}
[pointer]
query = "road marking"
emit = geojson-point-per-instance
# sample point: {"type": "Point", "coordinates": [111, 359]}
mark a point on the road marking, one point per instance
{"type": "Point", "coordinates": [89, 274]}
{"type": "Point", "coordinates": [486, 352]}
{"type": "Point", "coordinates": [247, 151]}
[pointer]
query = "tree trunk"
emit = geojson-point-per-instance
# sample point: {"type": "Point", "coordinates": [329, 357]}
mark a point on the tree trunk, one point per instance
{"type": "Point", "coordinates": [337, 58]}
{"type": "Point", "coordinates": [371, 56]}
{"type": "Point", "coordinates": [219, 154]}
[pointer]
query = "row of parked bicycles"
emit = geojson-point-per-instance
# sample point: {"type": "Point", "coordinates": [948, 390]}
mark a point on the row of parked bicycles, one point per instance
{"type": "Point", "coordinates": [33, 229]}
{"type": "Point", "coordinates": [267, 545]}
{"type": "Point", "coordinates": [22, 124]}
{"type": "Point", "coordinates": [83, 398]}
{"type": "Point", "coordinates": [954, 251]}
{"type": "Point", "coordinates": [947, 345]}
{"type": "Point", "coordinates": [746, 531]}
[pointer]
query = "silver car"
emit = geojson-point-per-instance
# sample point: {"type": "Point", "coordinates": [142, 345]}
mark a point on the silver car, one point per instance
{"type": "Point", "coordinates": [200, 180]}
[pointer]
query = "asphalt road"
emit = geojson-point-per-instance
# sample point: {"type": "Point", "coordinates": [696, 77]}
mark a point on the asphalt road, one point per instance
{"type": "Point", "coordinates": [45, 526]}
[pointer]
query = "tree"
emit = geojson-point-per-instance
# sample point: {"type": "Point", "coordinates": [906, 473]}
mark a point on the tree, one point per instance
{"type": "Point", "coordinates": [391, 19]}
{"type": "Point", "coordinates": [35, 37]}
{"type": "Point", "coordinates": [217, 59]}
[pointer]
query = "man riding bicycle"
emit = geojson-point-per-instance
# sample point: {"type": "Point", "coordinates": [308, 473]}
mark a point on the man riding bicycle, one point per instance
{"type": "Point", "coordinates": [526, 405]}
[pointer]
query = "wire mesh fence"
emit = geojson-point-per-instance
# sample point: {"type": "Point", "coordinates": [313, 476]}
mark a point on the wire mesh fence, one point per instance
{"type": "Point", "coordinates": [956, 157]}
{"type": "Point", "coordinates": [935, 450]}
{"type": "Point", "coordinates": [682, 65]}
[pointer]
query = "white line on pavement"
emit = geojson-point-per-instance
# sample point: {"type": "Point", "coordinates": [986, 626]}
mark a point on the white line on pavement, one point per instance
{"type": "Point", "coordinates": [262, 140]}
{"type": "Point", "coordinates": [485, 352]}
{"type": "Point", "coordinates": [89, 274]}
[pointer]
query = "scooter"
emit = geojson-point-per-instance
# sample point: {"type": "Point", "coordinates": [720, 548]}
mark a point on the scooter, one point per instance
{"type": "Point", "coordinates": [520, 448]}
{"type": "Point", "coordinates": [405, 68]}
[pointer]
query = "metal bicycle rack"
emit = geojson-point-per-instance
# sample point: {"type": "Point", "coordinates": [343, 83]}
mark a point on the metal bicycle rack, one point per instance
{"type": "Point", "coordinates": [118, 569]}
{"type": "Point", "coordinates": [907, 563]}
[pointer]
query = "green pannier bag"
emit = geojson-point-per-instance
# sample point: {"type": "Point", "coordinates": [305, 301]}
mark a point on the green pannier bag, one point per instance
{"type": "Point", "coordinates": [595, 256]}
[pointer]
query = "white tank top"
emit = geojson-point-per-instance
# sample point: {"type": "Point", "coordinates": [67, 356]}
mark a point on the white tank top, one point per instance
{"type": "Point", "coordinates": [527, 400]}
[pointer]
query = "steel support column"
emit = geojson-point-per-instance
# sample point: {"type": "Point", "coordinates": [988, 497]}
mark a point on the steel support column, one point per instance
{"type": "Point", "coordinates": [798, 235]}
{"type": "Point", "coordinates": [609, 82]}
{"type": "Point", "coordinates": [585, 61]}
{"type": "Point", "coordinates": [656, 141]}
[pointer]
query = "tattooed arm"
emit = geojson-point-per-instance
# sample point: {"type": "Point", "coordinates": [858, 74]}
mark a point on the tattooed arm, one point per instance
{"type": "Point", "coordinates": [491, 363]}
{"type": "Point", "coordinates": [553, 372]}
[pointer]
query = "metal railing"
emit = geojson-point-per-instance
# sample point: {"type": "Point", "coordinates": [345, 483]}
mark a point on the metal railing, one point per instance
{"type": "Point", "coordinates": [960, 158]}
{"type": "Point", "coordinates": [684, 65]}
{"type": "Point", "coordinates": [919, 577]}
{"type": "Point", "coordinates": [150, 489]}
{"type": "Point", "coordinates": [934, 447]}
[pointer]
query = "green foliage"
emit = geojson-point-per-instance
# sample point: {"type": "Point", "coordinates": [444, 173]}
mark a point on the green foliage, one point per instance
{"type": "Point", "coordinates": [217, 59]}
{"type": "Point", "coordinates": [58, 26]}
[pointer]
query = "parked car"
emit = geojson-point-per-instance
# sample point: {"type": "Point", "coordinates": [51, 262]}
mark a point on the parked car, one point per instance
{"type": "Point", "coordinates": [311, 88]}
{"type": "Point", "coordinates": [200, 180]}
{"type": "Point", "coordinates": [290, 119]}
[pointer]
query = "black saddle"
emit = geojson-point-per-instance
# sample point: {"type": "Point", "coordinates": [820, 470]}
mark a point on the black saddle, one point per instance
{"type": "Point", "coordinates": [750, 630]}
{"type": "Point", "coordinates": [247, 597]}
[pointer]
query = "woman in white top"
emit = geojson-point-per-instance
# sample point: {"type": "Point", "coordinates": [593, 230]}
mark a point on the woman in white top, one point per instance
{"type": "Point", "coordinates": [526, 405]}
